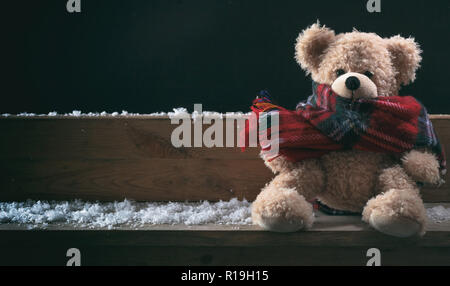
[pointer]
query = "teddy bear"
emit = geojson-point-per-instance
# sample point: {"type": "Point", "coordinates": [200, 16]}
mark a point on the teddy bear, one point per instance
{"type": "Point", "coordinates": [363, 72]}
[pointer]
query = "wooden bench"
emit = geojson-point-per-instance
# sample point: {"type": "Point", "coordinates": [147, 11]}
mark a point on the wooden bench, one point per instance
{"type": "Point", "coordinates": [334, 240]}
{"type": "Point", "coordinates": [112, 158]}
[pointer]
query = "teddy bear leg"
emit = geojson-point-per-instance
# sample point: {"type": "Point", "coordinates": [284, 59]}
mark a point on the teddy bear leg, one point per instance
{"type": "Point", "coordinates": [398, 210]}
{"type": "Point", "coordinates": [281, 206]}
{"type": "Point", "coordinates": [281, 210]}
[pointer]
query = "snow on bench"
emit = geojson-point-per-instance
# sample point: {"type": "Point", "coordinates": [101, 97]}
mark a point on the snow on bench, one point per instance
{"type": "Point", "coordinates": [333, 240]}
{"type": "Point", "coordinates": [112, 157]}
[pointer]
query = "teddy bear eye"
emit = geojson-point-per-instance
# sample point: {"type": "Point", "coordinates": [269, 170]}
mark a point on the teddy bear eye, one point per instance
{"type": "Point", "coordinates": [340, 72]}
{"type": "Point", "coordinates": [368, 74]}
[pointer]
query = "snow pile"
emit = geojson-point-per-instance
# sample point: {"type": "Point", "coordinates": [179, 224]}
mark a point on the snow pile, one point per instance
{"type": "Point", "coordinates": [180, 112]}
{"type": "Point", "coordinates": [439, 213]}
{"type": "Point", "coordinates": [37, 214]}
{"type": "Point", "coordinates": [78, 113]}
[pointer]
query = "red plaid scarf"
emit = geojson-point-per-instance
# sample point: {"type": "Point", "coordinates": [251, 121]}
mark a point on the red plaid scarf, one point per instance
{"type": "Point", "coordinates": [327, 122]}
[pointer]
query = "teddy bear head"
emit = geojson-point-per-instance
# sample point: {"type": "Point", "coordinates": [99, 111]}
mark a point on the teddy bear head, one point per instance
{"type": "Point", "coordinates": [357, 64]}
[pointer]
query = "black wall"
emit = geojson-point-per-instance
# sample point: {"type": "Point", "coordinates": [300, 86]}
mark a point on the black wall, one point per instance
{"type": "Point", "coordinates": [152, 55]}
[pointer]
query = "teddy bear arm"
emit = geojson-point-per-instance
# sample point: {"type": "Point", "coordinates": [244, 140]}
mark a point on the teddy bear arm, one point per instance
{"type": "Point", "coordinates": [279, 165]}
{"type": "Point", "coordinates": [422, 166]}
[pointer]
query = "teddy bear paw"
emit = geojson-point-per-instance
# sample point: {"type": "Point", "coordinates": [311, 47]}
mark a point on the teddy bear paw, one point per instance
{"type": "Point", "coordinates": [397, 212]}
{"type": "Point", "coordinates": [398, 226]}
{"type": "Point", "coordinates": [282, 210]}
{"type": "Point", "coordinates": [422, 167]}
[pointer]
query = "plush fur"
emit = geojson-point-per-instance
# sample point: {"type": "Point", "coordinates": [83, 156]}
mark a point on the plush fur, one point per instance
{"type": "Point", "coordinates": [379, 186]}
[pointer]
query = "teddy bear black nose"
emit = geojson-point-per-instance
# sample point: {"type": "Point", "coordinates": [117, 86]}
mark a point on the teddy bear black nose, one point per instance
{"type": "Point", "coordinates": [352, 83]}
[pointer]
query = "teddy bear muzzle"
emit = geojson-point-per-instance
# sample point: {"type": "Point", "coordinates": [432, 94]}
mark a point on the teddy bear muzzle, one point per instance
{"type": "Point", "coordinates": [354, 85]}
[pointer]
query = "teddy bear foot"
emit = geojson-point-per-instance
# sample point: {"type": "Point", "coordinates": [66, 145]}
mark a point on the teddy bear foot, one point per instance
{"type": "Point", "coordinates": [279, 224]}
{"type": "Point", "coordinates": [282, 210]}
{"type": "Point", "coordinates": [395, 226]}
{"type": "Point", "coordinates": [397, 212]}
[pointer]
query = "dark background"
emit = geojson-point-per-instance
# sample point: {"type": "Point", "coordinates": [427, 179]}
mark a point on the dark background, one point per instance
{"type": "Point", "coordinates": [152, 55]}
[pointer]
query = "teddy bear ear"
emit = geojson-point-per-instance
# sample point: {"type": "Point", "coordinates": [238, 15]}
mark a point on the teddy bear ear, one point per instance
{"type": "Point", "coordinates": [405, 55]}
{"type": "Point", "coordinates": [311, 45]}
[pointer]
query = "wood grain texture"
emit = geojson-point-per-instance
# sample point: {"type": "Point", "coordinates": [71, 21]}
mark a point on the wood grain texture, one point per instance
{"type": "Point", "coordinates": [112, 158]}
{"type": "Point", "coordinates": [54, 255]}
{"type": "Point", "coordinates": [333, 240]}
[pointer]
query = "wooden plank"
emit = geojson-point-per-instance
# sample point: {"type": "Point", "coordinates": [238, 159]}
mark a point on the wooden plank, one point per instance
{"type": "Point", "coordinates": [139, 179]}
{"type": "Point", "coordinates": [327, 231]}
{"type": "Point", "coordinates": [334, 240]}
{"type": "Point", "coordinates": [55, 255]}
{"type": "Point", "coordinates": [112, 158]}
